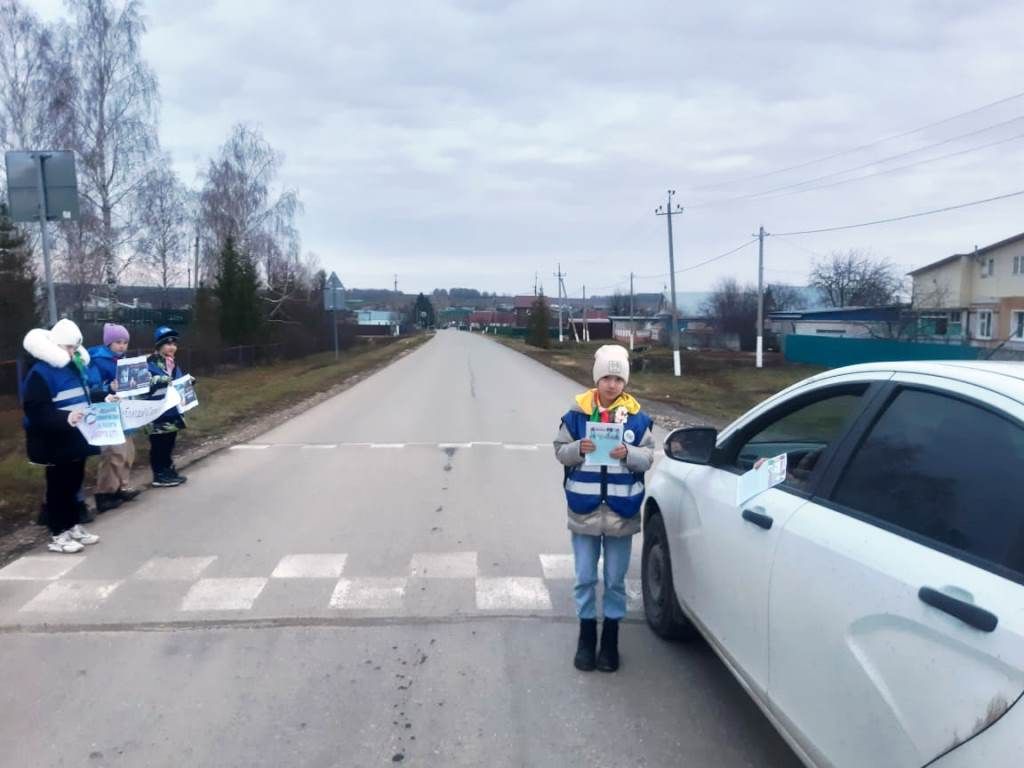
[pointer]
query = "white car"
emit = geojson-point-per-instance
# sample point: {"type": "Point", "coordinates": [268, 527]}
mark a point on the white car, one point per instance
{"type": "Point", "coordinates": [872, 604]}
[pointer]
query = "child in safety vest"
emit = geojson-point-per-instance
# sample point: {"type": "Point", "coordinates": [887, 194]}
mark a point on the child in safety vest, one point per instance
{"type": "Point", "coordinates": [604, 501]}
{"type": "Point", "coordinates": [55, 394]}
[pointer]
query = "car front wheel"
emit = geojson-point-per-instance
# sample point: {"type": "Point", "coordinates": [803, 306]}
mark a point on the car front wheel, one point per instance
{"type": "Point", "coordinates": [661, 607]}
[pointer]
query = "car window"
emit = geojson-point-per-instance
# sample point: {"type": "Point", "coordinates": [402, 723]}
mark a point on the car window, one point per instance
{"type": "Point", "coordinates": [802, 434]}
{"type": "Point", "coordinates": [944, 469]}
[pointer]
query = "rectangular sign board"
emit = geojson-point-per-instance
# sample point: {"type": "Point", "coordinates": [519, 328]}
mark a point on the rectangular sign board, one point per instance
{"type": "Point", "coordinates": [60, 185]}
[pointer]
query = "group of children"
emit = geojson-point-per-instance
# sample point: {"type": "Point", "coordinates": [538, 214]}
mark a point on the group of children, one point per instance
{"type": "Point", "coordinates": [604, 502]}
{"type": "Point", "coordinates": [63, 380]}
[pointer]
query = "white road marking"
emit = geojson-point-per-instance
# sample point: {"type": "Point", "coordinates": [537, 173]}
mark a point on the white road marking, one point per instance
{"type": "Point", "coordinates": [558, 566]}
{"type": "Point", "coordinates": [250, 447]}
{"type": "Point", "coordinates": [323, 566]}
{"type": "Point", "coordinates": [223, 594]}
{"type": "Point", "coordinates": [174, 568]}
{"type": "Point", "coordinates": [520, 446]}
{"type": "Point", "coordinates": [71, 595]}
{"type": "Point", "coordinates": [489, 443]}
{"type": "Point", "coordinates": [319, 446]}
{"type": "Point", "coordinates": [369, 594]}
{"type": "Point", "coordinates": [40, 567]}
{"type": "Point", "coordinates": [516, 594]}
{"type": "Point", "coordinates": [444, 565]}
{"type": "Point", "coordinates": [387, 445]}
{"type": "Point", "coordinates": [454, 445]}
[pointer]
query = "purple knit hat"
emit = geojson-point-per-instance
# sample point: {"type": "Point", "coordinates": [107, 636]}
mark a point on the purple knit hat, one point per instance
{"type": "Point", "coordinates": [113, 332]}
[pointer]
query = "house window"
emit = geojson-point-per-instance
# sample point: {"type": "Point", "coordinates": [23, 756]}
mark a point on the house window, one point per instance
{"type": "Point", "coordinates": [985, 324]}
{"type": "Point", "coordinates": [956, 323]}
{"type": "Point", "coordinates": [1017, 325]}
{"type": "Point", "coordinates": [1016, 265]}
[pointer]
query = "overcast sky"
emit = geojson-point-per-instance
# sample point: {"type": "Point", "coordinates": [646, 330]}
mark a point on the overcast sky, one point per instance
{"type": "Point", "coordinates": [474, 143]}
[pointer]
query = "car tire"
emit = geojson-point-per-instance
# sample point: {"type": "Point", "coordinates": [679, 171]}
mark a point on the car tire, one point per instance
{"type": "Point", "coordinates": [661, 607]}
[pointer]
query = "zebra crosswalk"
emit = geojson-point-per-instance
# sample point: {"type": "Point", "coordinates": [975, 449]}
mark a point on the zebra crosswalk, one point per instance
{"type": "Point", "coordinates": [168, 588]}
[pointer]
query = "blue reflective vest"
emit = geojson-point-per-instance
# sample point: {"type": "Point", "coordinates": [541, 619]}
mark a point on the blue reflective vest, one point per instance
{"type": "Point", "coordinates": [618, 487]}
{"type": "Point", "coordinates": [68, 387]}
{"type": "Point", "coordinates": [48, 393]}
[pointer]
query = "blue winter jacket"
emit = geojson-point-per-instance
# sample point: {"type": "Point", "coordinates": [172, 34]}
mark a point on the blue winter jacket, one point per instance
{"type": "Point", "coordinates": [102, 367]}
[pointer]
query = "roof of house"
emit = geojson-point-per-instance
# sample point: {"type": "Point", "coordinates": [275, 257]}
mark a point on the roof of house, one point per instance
{"type": "Point", "coordinates": [147, 295]}
{"type": "Point", "coordinates": [862, 314]}
{"type": "Point", "coordinates": [525, 302]}
{"type": "Point", "coordinates": [977, 252]}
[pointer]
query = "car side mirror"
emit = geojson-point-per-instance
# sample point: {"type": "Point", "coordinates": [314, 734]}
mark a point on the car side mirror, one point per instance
{"type": "Point", "coordinates": [695, 445]}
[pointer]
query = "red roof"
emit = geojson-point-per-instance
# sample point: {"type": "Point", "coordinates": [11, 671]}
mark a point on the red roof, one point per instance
{"type": "Point", "coordinates": [525, 302]}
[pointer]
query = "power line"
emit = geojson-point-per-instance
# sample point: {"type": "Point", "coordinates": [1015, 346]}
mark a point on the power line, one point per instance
{"type": "Point", "coordinates": [702, 263]}
{"type": "Point", "coordinates": [870, 164]}
{"type": "Point", "coordinates": [899, 168]}
{"type": "Point", "coordinates": [903, 218]}
{"type": "Point", "coordinates": [862, 147]}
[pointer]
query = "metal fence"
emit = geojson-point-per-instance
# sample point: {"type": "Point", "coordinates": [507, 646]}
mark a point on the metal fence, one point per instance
{"type": "Point", "coordinates": [834, 352]}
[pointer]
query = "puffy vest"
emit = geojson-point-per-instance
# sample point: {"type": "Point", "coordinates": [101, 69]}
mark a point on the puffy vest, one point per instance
{"type": "Point", "coordinates": [619, 488]}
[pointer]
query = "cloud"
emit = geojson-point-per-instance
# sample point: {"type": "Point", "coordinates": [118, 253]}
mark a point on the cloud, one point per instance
{"type": "Point", "coordinates": [486, 140]}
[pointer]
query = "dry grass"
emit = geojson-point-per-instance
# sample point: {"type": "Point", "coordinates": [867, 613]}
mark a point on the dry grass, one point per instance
{"type": "Point", "coordinates": [719, 386]}
{"type": "Point", "coordinates": [228, 401]}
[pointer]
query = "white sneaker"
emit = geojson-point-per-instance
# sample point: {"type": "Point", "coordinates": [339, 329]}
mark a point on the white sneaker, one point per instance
{"type": "Point", "coordinates": [82, 536]}
{"type": "Point", "coordinates": [64, 543]}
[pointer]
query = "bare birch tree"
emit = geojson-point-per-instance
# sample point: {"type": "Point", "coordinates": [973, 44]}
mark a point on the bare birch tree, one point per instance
{"type": "Point", "coordinates": [238, 201]}
{"type": "Point", "coordinates": [26, 56]}
{"type": "Point", "coordinates": [165, 226]}
{"type": "Point", "coordinates": [112, 105]}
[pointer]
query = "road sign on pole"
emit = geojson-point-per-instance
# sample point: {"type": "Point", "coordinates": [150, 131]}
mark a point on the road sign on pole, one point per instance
{"type": "Point", "coordinates": [42, 186]}
{"type": "Point", "coordinates": [334, 299]}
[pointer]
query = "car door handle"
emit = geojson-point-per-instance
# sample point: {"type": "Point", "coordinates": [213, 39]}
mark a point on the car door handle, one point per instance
{"type": "Point", "coordinates": [968, 613]}
{"type": "Point", "coordinates": [759, 519]}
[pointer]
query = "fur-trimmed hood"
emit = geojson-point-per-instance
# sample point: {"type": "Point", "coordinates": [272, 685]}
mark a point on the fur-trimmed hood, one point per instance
{"type": "Point", "coordinates": [40, 344]}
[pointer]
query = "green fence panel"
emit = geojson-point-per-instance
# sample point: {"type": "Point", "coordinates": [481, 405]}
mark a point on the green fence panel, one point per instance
{"type": "Point", "coordinates": [830, 352]}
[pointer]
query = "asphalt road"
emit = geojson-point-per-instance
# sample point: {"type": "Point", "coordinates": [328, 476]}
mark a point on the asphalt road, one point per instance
{"type": "Point", "coordinates": [384, 579]}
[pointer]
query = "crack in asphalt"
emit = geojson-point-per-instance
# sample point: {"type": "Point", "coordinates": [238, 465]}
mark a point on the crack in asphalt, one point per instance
{"type": "Point", "coordinates": [282, 623]}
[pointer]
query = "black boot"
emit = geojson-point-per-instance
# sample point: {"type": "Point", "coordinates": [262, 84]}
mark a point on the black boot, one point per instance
{"type": "Point", "coordinates": [587, 645]}
{"type": "Point", "coordinates": [107, 501]}
{"type": "Point", "coordinates": [127, 494]}
{"type": "Point", "coordinates": [608, 658]}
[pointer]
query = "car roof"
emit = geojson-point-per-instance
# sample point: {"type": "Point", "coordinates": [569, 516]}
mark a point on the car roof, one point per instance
{"type": "Point", "coordinates": [1006, 377]}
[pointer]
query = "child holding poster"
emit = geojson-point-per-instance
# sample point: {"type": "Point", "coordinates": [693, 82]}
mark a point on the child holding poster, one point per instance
{"type": "Point", "coordinates": [113, 478]}
{"type": "Point", "coordinates": [55, 394]}
{"type": "Point", "coordinates": [163, 432]}
{"type": "Point", "coordinates": [604, 497]}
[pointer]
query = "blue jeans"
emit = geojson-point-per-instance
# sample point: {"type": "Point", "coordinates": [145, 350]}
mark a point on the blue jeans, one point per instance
{"type": "Point", "coordinates": [586, 550]}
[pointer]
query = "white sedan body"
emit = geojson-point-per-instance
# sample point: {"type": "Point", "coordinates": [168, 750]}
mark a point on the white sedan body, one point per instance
{"type": "Point", "coordinates": [855, 601]}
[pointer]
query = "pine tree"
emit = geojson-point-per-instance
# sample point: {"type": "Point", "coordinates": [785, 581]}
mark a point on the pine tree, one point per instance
{"type": "Point", "coordinates": [422, 312]}
{"type": "Point", "coordinates": [540, 319]}
{"type": "Point", "coordinates": [238, 292]}
{"type": "Point", "coordinates": [17, 286]}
